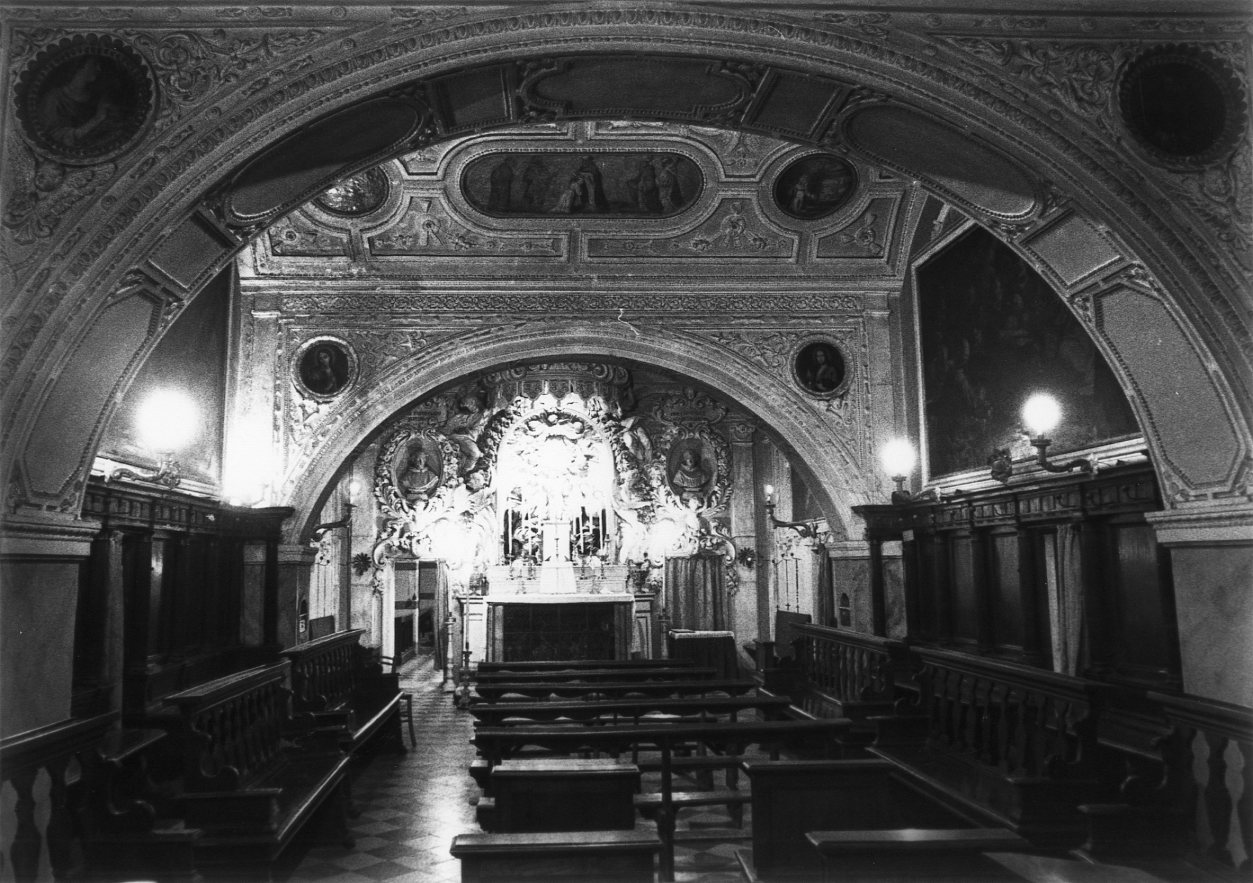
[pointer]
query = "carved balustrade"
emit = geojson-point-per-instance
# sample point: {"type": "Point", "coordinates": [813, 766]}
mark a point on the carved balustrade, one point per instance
{"type": "Point", "coordinates": [323, 671]}
{"type": "Point", "coordinates": [1209, 757]}
{"type": "Point", "coordinates": [57, 749]}
{"type": "Point", "coordinates": [231, 729]}
{"type": "Point", "coordinates": [855, 673]}
{"type": "Point", "coordinates": [1024, 722]}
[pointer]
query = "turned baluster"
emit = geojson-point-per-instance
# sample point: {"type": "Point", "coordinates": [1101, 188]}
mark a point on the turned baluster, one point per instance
{"type": "Point", "coordinates": [60, 831]}
{"type": "Point", "coordinates": [1217, 798]}
{"type": "Point", "coordinates": [27, 844]}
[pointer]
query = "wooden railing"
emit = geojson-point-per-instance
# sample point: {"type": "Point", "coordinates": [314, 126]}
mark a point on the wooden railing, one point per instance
{"type": "Point", "coordinates": [856, 672]}
{"type": "Point", "coordinates": [323, 670]}
{"type": "Point", "coordinates": [1024, 722]}
{"type": "Point", "coordinates": [22, 758]}
{"type": "Point", "coordinates": [231, 728]}
{"type": "Point", "coordinates": [1210, 757]}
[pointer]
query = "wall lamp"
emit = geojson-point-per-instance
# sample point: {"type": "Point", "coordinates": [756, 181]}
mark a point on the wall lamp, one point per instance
{"type": "Point", "coordinates": [1040, 415]}
{"type": "Point", "coordinates": [898, 459]}
{"type": "Point", "coordinates": [166, 421]}
{"type": "Point", "coordinates": [353, 487]}
{"type": "Point", "coordinates": [805, 530]}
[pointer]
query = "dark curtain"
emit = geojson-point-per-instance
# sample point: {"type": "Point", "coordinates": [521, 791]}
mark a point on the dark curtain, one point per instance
{"type": "Point", "coordinates": [696, 592]}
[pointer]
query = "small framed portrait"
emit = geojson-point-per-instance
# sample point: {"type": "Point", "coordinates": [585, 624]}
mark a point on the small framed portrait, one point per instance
{"type": "Point", "coordinates": [1183, 105]}
{"type": "Point", "coordinates": [85, 100]}
{"type": "Point", "coordinates": [324, 367]}
{"type": "Point", "coordinates": [419, 469]}
{"type": "Point", "coordinates": [815, 186]}
{"type": "Point", "coordinates": [819, 368]}
{"type": "Point", "coordinates": [357, 195]}
{"type": "Point", "coordinates": [690, 471]}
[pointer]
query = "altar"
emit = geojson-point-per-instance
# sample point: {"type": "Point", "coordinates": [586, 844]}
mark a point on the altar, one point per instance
{"type": "Point", "coordinates": [559, 611]}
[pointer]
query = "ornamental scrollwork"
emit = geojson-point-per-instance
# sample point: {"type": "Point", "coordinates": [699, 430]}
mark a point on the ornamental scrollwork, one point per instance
{"type": "Point", "coordinates": [1080, 75]}
{"type": "Point", "coordinates": [190, 65]}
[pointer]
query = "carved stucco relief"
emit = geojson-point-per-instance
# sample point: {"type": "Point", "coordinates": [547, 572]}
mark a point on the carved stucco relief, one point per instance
{"type": "Point", "coordinates": [182, 152]}
{"type": "Point", "coordinates": [1082, 77]}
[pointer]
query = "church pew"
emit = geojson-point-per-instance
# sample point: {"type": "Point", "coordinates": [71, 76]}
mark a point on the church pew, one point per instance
{"type": "Point", "coordinates": [592, 675]}
{"type": "Point", "coordinates": [334, 685]}
{"type": "Point", "coordinates": [627, 710]}
{"type": "Point", "coordinates": [949, 854]}
{"type": "Point", "coordinates": [611, 689]}
{"type": "Point", "coordinates": [603, 856]}
{"type": "Point", "coordinates": [246, 784]}
{"type": "Point", "coordinates": [793, 797]}
{"type": "Point", "coordinates": [497, 744]}
{"type": "Point", "coordinates": [553, 665]}
{"type": "Point", "coordinates": [1013, 742]}
{"type": "Point", "coordinates": [560, 794]}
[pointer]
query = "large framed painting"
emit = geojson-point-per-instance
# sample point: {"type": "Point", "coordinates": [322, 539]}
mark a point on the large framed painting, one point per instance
{"type": "Point", "coordinates": [991, 332]}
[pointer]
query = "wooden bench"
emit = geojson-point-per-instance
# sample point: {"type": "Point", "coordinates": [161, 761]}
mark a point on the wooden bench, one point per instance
{"type": "Point", "coordinates": [560, 794]}
{"type": "Point", "coordinates": [551, 665]}
{"type": "Point", "coordinates": [497, 744]}
{"type": "Point", "coordinates": [594, 675]}
{"type": "Point", "coordinates": [611, 689]}
{"type": "Point", "coordinates": [627, 710]}
{"type": "Point", "coordinates": [603, 856]}
{"type": "Point", "coordinates": [1013, 742]}
{"type": "Point", "coordinates": [948, 853]}
{"type": "Point", "coordinates": [245, 786]}
{"type": "Point", "coordinates": [334, 683]}
{"type": "Point", "coordinates": [793, 797]}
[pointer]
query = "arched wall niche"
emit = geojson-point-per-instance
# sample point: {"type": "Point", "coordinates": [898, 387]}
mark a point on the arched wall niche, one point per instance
{"type": "Point", "coordinates": [821, 455]}
{"type": "Point", "coordinates": [1165, 307]}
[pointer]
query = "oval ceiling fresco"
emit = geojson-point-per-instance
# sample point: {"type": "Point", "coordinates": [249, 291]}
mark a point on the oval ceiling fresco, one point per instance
{"type": "Point", "coordinates": [610, 184]}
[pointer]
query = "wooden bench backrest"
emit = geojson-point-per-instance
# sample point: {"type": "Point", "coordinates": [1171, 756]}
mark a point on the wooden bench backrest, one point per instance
{"type": "Point", "coordinates": [324, 672]}
{"type": "Point", "coordinates": [231, 728]}
{"type": "Point", "coordinates": [1018, 720]}
{"type": "Point", "coordinates": [785, 623]}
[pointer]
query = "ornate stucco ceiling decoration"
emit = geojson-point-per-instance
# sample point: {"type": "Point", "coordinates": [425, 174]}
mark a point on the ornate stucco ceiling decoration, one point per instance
{"type": "Point", "coordinates": [585, 198]}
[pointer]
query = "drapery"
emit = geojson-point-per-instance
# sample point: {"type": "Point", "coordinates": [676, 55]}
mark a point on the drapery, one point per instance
{"type": "Point", "coordinates": [696, 592]}
{"type": "Point", "coordinates": [1068, 653]}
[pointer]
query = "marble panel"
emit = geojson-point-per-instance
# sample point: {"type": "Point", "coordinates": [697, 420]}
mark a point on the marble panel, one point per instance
{"type": "Point", "coordinates": [1214, 607]}
{"type": "Point", "coordinates": [39, 600]}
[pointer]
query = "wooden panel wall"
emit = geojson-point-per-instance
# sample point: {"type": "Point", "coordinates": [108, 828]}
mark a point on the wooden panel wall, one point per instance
{"type": "Point", "coordinates": [988, 572]}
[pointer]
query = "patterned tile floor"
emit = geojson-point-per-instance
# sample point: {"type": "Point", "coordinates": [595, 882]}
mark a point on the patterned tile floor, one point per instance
{"type": "Point", "coordinates": [412, 805]}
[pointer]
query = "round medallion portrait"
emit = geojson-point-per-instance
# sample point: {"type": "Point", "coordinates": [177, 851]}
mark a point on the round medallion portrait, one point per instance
{"type": "Point", "coordinates": [358, 195]}
{"type": "Point", "coordinates": [1182, 104]}
{"type": "Point", "coordinates": [815, 186]}
{"type": "Point", "coordinates": [819, 368]}
{"type": "Point", "coordinates": [419, 469]}
{"type": "Point", "coordinates": [85, 100]}
{"type": "Point", "coordinates": [324, 367]}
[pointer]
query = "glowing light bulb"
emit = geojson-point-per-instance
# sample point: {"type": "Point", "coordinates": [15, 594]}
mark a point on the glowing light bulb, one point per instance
{"type": "Point", "coordinates": [898, 457]}
{"type": "Point", "coordinates": [167, 420]}
{"type": "Point", "coordinates": [1041, 413]}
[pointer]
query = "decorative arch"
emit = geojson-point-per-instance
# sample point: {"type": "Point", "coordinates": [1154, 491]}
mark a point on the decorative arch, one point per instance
{"type": "Point", "coordinates": [821, 455]}
{"type": "Point", "coordinates": [1164, 306]}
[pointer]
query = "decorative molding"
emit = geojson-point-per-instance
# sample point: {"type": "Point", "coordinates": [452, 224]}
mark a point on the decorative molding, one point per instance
{"type": "Point", "coordinates": [735, 230]}
{"type": "Point", "coordinates": [189, 65]}
{"type": "Point", "coordinates": [1079, 75]}
{"type": "Point", "coordinates": [1209, 289]}
{"type": "Point", "coordinates": [426, 229]}
{"type": "Point", "coordinates": [564, 303]}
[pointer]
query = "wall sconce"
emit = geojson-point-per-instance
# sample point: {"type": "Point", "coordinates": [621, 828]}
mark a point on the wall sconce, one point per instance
{"type": "Point", "coordinates": [806, 531]}
{"type": "Point", "coordinates": [166, 421]}
{"type": "Point", "coordinates": [898, 459]}
{"type": "Point", "coordinates": [1040, 414]}
{"type": "Point", "coordinates": [354, 487]}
